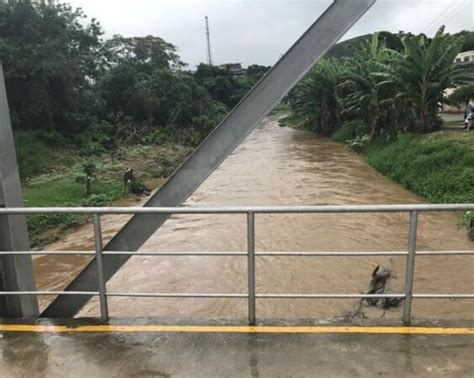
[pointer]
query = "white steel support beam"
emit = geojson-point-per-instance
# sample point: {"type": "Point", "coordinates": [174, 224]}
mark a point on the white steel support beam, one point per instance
{"type": "Point", "coordinates": [266, 94]}
{"type": "Point", "coordinates": [16, 272]}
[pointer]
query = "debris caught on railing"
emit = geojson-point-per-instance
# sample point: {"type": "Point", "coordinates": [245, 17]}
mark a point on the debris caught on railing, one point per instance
{"type": "Point", "coordinates": [378, 285]}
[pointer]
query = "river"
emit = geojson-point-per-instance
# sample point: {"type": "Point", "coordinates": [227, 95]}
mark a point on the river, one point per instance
{"type": "Point", "coordinates": [281, 166]}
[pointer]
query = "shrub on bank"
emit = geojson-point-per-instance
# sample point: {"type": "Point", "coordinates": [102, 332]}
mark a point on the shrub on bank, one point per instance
{"type": "Point", "coordinates": [440, 171]}
{"type": "Point", "coordinates": [349, 131]}
{"type": "Point", "coordinates": [36, 154]}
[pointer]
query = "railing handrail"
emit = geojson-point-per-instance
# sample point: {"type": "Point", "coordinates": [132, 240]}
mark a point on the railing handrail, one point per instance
{"type": "Point", "coordinates": [251, 254]}
{"type": "Point", "coordinates": [239, 209]}
{"type": "Point", "coordinates": [240, 253]}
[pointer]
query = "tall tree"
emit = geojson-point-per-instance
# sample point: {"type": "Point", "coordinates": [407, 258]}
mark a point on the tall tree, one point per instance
{"type": "Point", "coordinates": [422, 72]}
{"type": "Point", "coordinates": [315, 101]}
{"type": "Point", "coordinates": [50, 61]}
{"type": "Point", "coordinates": [366, 92]}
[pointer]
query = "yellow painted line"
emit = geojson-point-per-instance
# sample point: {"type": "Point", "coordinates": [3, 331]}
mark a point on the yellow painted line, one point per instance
{"type": "Point", "coordinates": [238, 329]}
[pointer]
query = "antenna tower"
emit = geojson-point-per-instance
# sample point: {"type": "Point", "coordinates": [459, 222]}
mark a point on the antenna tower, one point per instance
{"type": "Point", "coordinates": [208, 38]}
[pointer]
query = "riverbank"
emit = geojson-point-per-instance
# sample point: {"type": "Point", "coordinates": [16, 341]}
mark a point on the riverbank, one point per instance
{"type": "Point", "coordinates": [61, 181]}
{"type": "Point", "coordinates": [438, 166]}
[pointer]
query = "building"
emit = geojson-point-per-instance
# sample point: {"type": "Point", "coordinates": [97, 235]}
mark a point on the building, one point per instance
{"type": "Point", "coordinates": [233, 68]}
{"type": "Point", "coordinates": [466, 57]}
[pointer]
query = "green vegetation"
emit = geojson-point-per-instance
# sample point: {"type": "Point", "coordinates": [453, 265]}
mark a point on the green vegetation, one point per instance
{"type": "Point", "coordinates": [462, 94]}
{"type": "Point", "coordinates": [68, 86]}
{"type": "Point", "coordinates": [437, 166]}
{"type": "Point", "coordinates": [66, 187]}
{"type": "Point", "coordinates": [37, 156]}
{"type": "Point", "coordinates": [383, 99]}
{"type": "Point", "coordinates": [393, 41]}
{"type": "Point", "coordinates": [316, 104]}
{"type": "Point", "coordinates": [389, 91]}
{"type": "Point", "coordinates": [85, 109]}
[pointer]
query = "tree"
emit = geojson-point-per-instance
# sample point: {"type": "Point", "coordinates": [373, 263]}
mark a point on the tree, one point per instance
{"type": "Point", "coordinates": [366, 92]}
{"type": "Point", "coordinates": [421, 73]}
{"type": "Point", "coordinates": [50, 60]}
{"type": "Point", "coordinates": [462, 94]}
{"type": "Point", "coordinates": [144, 89]}
{"type": "Point", "coordinates": [150, 51]}
{"type": "Point", "coordinates": [257, 71]}
{"type": "Point", "coordinates": [315, 100]}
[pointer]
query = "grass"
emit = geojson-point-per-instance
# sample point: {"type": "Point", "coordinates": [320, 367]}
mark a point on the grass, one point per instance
{"type": "Point", "coordinates": [61, 183]}
{"type": "Point", "coordinates": [438, 166]}
{"type": "Point", "coordinates": [59, 192]}
{"type": "Point", "coordinates": [36, 156]}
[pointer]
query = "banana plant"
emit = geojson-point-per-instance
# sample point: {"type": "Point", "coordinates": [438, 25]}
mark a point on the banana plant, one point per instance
{"type": "Point", "coordinates": [422, 73]}
{"type": "Point", "coordinates": [315, 101]}
{"type": "Point", "coordinates": [367, 93]}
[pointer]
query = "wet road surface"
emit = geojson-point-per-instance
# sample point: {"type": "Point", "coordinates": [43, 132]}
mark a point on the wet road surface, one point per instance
{"type": "Point", "coordinates": [234, 355]}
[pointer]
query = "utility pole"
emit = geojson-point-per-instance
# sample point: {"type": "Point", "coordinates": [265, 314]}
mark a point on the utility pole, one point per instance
{"type": "Point", "coordinates": [16, 271]}
{"type": "Point", "coordinates": [208, 38]}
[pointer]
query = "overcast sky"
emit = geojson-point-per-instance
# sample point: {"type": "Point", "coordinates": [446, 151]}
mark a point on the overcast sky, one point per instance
{"type": "Point", "coordinates": [260, 31]}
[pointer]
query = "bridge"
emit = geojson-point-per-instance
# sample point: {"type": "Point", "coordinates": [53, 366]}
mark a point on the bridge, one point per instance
{"type": "Point", "coordinates": [55, 343]}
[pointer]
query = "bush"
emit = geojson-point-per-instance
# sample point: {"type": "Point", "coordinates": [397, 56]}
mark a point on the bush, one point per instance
{"type": "Point", "coordinates": [359, 143]}
{"type": "Point", "coordinates": [350, 130]}
{"type": "Point", "coordinates": [440, 171]}
{"type": "Point", "coordinates": [96, 200]}
{"type": "Point", "coordinates": [137, 187]}
{"type": "Point", "coordinates": [157, 137]}
{"type": "Point", "coordinates": [36, 154]}
{"type": "Point", "coordinates": [38, 224]}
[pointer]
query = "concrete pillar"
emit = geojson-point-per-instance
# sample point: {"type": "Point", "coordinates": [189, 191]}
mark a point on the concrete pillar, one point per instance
{"type": "Point", "coordinates": [16, 272]}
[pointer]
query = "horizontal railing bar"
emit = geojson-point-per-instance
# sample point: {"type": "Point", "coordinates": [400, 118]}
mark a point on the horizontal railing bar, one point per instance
{"type": "Point", "coordinates": [177, 295]}
{"type": "Point", "coordinates": [49, 293]}
{"type": "Point", "coordinates": [329, 296]}
{"type": "Point", "coordinates": [262, 296]}
{"type": "Point", "coordinates": [238, 210]}
{"type": "Point", "coordinates": [237, 253]}
{"type": "Point", "coordinates": [85, 253]}
{"type": "Point", "coordinates": [177, 253]}
{"type": "Point", "coordinates": [51, 253]}
{"type": "Point", "coordinates": [375, 253]}
{"type": "Point", "coordinates": [362, 296]}
{"type": "Point", "coordinates": [443, 253]}
{"type": "Point", "coordinates": [441, 296]}
{"type": "Point", "coordinates": [330, 254]}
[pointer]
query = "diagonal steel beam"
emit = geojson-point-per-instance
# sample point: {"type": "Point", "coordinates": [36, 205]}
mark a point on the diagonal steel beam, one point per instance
{"type": "Point", "coordinates": [299, 59]}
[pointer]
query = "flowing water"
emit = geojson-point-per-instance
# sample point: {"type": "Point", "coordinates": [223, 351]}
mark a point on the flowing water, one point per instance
{"type": "Point", "coordinates": [280, 166]}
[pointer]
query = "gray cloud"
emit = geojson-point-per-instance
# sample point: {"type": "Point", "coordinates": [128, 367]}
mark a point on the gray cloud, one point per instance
{"type": "Point", "coordinates": [260, 31]}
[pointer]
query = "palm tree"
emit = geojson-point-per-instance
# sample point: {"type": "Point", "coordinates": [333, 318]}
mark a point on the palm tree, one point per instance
{"type": "Point", "coordinates": [366, 91]}
{"type": "Point", "coordinates": [422, 73]}
{"type": "Point", "coordinates": [315, 102]}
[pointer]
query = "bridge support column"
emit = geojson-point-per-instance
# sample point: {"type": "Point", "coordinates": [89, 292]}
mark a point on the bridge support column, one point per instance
{"type": "Point", "coordinates": [16, 272]}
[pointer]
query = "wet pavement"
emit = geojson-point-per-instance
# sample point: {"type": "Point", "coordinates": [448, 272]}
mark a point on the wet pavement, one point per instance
{"type": "Point", "coordinates": [234, 355]}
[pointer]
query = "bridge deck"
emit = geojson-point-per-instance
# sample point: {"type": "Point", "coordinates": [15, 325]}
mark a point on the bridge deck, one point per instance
{"type": "Point", "coordinates": [209, 352]}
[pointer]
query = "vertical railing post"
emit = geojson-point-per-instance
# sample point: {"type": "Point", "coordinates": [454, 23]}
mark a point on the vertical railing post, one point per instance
{"type": "Point", "coordinates": [410, 268]}
{"type": "Point", "coordinates": [104, 311]}
{"type": "Point", "coordinates": [251, 266]}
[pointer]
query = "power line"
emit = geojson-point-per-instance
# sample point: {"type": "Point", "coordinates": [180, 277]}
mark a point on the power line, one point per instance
{"type": "Point", "coordinates": [450, 15]}
{"type": "Point", "coordinates": [437, 18]}
{"type": "Point", "coordinates": [455, 14]}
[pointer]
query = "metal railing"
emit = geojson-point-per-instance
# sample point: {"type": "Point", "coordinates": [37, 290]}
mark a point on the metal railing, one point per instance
{"type": "Point", "coordinates": [251, 254]}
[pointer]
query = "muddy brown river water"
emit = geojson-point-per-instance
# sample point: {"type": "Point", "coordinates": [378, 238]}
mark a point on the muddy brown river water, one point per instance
{"type": "Point", "coordinates": [280, 166]}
